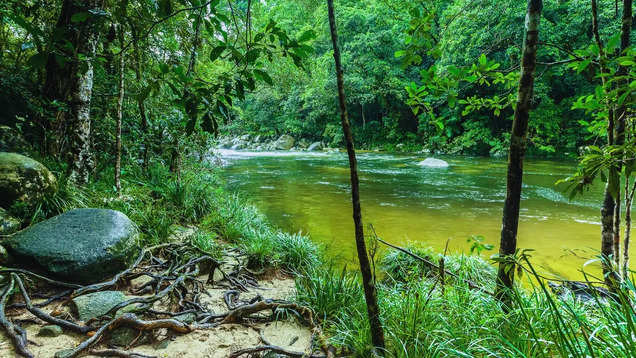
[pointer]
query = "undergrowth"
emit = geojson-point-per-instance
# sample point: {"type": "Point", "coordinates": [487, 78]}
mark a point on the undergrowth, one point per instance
{"type": "Point", "coordinates": [422, 320]}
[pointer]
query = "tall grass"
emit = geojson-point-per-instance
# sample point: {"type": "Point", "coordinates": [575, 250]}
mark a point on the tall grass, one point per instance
{"type": "Point", "coordinates": [240, 223]}
{"type": "Point", "coordinates": [421, 320]}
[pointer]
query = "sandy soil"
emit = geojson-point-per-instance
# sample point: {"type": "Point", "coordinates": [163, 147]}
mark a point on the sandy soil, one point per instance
{"type": "Point", "coordinates": [214, 343]}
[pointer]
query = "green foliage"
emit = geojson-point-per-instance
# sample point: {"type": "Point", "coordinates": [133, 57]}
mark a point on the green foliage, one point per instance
{"type": "Point", "coordinates": [240, 223]}
{"type": "Point", "coordinates": [422, 321]}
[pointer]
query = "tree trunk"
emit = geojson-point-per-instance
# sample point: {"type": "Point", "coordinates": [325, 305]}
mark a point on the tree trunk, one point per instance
{"type": "Point", "coordinates": [510, 221]}
{"type": "Point", "coordinates": [120, 104]}
{"type": "Point", "coordinates": [629, 198]}
{"type": "Point", "coordinates": [175, 158]}
{"type": "Point", "coordinates": [140, 101]}
{"type": "Point", "coordinates": [72, 84]}
{"type": "Point", "coordinates": [373, 311]}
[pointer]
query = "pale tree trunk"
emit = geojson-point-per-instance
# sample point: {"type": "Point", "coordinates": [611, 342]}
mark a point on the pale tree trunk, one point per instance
{"type": "Point", "coordinates": [120, 105]}
{"type": "Point", "coordinates": [73, 84]}
{"type": "Point", "coordinates": [370, 295]}
{"type": "Point", "coordinates": [510, 221]}
{"type": "Point", "coordinates": [80, 121]}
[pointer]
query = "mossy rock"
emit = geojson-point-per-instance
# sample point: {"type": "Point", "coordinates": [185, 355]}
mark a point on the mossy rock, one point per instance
{"type": "Point", "coordinates": [81, 245]}
{"type": "Point", "coordinates": [23, 179]}
{"type": "Point", "coordinates": [96, 304]}
{"type": "Point", "coordinates": [285, 142]}
{"type": "Point", "coordinates": [8, 224]}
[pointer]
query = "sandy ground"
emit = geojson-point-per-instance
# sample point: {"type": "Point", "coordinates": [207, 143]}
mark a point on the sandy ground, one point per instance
{"type": "Point", "coordinates": [214, 343]}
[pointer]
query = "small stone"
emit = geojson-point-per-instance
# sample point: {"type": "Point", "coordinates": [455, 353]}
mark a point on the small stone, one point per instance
{"type": "Point", "coordinates": [96, 304]}
{"type": "Point", "coordinates": [163, 344]}
{"type": "Point", "coordinates": [186, 318]}
{"type": "Point", "coordinates": [64, 353]}
{"type": "Point", "coordinates": [8, 224]}
{"type": "Point", "coordinates": [4, 256]}
{"type": "Point", "coordinates": [123, 336]}
{"type": "Point", "coordinates": [50, 331]}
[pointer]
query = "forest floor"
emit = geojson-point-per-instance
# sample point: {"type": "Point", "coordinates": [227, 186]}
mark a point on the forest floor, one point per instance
{"type": "Point", "coordinates": [217, 342]}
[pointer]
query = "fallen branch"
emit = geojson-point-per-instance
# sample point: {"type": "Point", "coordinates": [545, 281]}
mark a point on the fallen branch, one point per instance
{"type": "Point", "coordinates": [470, 283]}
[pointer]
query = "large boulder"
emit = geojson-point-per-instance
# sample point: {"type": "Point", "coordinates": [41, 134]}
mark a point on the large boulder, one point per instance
{"type": "Point", "coordinates": [285, 142]}
{"type": "Point", "coordinates": [81, 245]}
{"type": "Point", "coordinates": [23, 179]}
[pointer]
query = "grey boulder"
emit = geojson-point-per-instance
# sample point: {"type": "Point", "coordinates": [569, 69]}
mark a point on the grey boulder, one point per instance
{"type": "Point", "coordinates": [81, 245]}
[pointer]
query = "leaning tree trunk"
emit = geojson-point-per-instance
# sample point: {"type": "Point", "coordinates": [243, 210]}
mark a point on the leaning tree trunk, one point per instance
{"type": "Point", "coordinates": [120, 105]}
{"type": "Point", "coordinates": [373, 311]}
{"type": "Point", "coordinates": [510, 222]}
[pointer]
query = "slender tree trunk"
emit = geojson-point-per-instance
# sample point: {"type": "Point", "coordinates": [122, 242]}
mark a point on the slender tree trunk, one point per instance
{"type": "Point", "coordinates": [370, 295]}
{"type": "Point", "coordinates": [608, 208]}
{"type": "Point", "coordinates": [120, 105]}
{"type": "Point", "coordinates": [364, 118]}
{"type": "Point", "coordinates": [621, 117]}
{"type": "Point", "coordinates": [629, 199]}
{"type": "Point", "coordinates": [175, 158]}
{"type": "Point", "coordinates": [140, 101]}
{"type": "Point", "coordinates": [510, 221]}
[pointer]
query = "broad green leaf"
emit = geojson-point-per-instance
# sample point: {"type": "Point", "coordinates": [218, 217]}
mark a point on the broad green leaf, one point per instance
{"type": "Point", "coordinates": [216, 52]}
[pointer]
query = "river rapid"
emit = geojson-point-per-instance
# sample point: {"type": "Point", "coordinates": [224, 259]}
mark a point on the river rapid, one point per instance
{"type": "Point", "coordinates": [405, 202]}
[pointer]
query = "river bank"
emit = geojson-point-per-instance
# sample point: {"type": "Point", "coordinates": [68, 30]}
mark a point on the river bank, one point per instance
{"type": "Point", "coordinates": [423, 313]}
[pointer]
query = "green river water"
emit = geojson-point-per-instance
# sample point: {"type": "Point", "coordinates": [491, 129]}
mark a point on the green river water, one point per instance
{"type": "Point", "coordinates": [408, 203]}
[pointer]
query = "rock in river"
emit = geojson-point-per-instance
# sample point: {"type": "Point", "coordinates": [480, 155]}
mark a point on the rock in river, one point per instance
{"type": "Point", "coordinates": [433, 163]}
{"type": "Point", "coordinates": [81, 245]}
{"type": "Point", "coordinates": [315, 146]}
{"type": "Point", "coordinates": [23, 179]}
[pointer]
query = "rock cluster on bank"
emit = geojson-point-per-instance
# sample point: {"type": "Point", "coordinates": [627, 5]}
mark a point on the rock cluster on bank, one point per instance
{"type": "Point", "coordinates": [261, 143]}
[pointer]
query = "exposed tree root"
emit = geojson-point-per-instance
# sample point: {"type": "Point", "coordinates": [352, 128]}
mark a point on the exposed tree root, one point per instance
{"type": "Point", "coordinates": [118, 353]}
{"type": "Point", "coordinates": [15, 333]}
{"type": "Point", "coordinates": [175, 285]}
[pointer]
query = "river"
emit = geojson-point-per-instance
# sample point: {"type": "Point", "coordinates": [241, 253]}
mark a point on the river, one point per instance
{"type": "Point", "coordinates": [408, 203]}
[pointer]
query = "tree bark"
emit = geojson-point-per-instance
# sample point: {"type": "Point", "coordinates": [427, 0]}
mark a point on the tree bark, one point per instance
{"type": "Point", "coordinates": [608, 207]}
{"type": "Point", "coordinates": [370, 295]}
{"type": "Point", "coordinates": [72, 83]}
{"type": "Point", "coordinates": [510, 221]}
{"type": "Point", "coordinates": [629, 198]}
{"type": "Point", "coordinates": [140, 101]}
{"type": "Point", "coordinates": [120, 105]}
